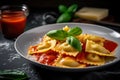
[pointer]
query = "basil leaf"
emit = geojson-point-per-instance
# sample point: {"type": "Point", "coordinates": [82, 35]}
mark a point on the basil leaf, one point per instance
{"type": "Point", "coordinates": [74, 42]}
{"type": "Point", "coordinates": [57, 34]}
{"type": "Point", "coordinates": [73, 8]}
{"type": "Point", "coordinates": [62, 8]}
{"type": "Point", "coordinates": [75, 31]}
{"type": "Point", "coordinates": [65, 17]}
{"type": "Point", "coordinates": [13, 75]}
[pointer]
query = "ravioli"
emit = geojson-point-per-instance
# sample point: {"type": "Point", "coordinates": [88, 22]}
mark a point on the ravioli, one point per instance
{"type": "Point", "coordinates": [68, 62]}
{"type": "Point", "coordinates": [65, 48]}
{"type": "Point", "coordinates": [91, 59]}
{"type": "Point", "coordinates": [84, 37]}
{"type": "Point", "coordinates": [43, 46]}
{"type": "Point", "coordinates": [95, 48]}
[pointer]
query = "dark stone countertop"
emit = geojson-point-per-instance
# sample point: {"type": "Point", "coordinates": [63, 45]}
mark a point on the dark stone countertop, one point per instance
{"type": "Point", "coordinates": [10, 59]}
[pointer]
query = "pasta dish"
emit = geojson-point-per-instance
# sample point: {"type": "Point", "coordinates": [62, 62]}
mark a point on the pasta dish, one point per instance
{"type": "Point", "coordinates": [70, 48]}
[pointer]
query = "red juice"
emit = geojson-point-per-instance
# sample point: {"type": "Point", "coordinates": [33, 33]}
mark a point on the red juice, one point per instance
{"type": "Point", "coordinates": [13, 23]}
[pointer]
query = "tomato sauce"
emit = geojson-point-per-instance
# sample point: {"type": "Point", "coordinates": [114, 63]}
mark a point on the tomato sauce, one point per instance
{"type": "Point", "coordinates": [13, 23]}
{"type": "Point", "coordinates": [47, 58]}
{"type": "Point", "coordinates": [110, 45]}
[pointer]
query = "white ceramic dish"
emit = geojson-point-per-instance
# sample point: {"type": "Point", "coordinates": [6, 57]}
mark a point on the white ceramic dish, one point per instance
{"type": "Point", "coordinates": [33, 36]}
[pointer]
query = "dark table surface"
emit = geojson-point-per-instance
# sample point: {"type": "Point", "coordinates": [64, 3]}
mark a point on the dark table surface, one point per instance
{"type": "Point", "coordinates": [10, 59]}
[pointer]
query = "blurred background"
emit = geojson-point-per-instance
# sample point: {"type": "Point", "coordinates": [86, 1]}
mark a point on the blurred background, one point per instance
{"type": "Point", "coordinates": [39, 7]}
{"type": "Point", "coordinates": [112, 5]}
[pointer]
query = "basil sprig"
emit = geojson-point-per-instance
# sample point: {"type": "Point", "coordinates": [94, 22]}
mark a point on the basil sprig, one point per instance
{"type": "Point", "coordinates": [74, 42]}
{"type": "Point", "coordinates": [57, 34]}
{"type": "Point", "coordinates": [75, 31]}
{"type": "Point", "coordinates": [69, 36]}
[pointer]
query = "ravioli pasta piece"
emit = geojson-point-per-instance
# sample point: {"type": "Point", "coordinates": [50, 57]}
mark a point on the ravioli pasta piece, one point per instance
{"type": "Point", "coordinates": [47, 38]}
{"type": "Point", "coordinates": [42, 47]}
{"type": "Point", "coordinates": [95, 58]}
{"type": "Point", "coordinates": [65, 48]}
{"type": "Point", "coordinates": [93, 47]}
{"type": "Point", "coordinates": [91, 59]}
{"type": "Point", "coordinates": [32, 49]}
{"type": "Point", "coordinates": [45, 46]}
{"type": "Point", "coordinates": [68, 62]}
{"type": "Point", "coordinates": [84, 37]}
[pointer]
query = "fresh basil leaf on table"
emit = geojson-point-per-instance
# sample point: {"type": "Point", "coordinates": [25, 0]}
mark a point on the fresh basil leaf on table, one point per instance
{"type": "Point", "coordinates": [67, 13]}
{"type": "Point", "coordinates": [73, 8]}
{"type": "Point", "coordinates": [13, 75]}
{"type": "Point", "coordinates": [65, 17]}
{"type": "Point", "coordinates": [62, 8]}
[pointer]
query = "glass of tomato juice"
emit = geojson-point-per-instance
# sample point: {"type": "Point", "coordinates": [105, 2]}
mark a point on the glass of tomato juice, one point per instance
{"type": "Point", "coordinates": [13, 20]}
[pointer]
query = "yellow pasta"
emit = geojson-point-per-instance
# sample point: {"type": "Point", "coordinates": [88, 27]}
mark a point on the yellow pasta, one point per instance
{"type": "Point", "coordinates": [95, 48]}
{"type": "Point", "coordinates": [42, 46]}
{"type": "Point", "coordinates": [65, 48]}
{"type": "Point", "coordinates": [84, 37]}
{"type": "Point", "coordinates": [68, 62]}
{"type": "Point", "coordinates": [92, 59]}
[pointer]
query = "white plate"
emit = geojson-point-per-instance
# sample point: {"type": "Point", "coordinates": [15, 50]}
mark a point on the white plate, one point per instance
{"type": "Point", "coordinates": [33, 36]}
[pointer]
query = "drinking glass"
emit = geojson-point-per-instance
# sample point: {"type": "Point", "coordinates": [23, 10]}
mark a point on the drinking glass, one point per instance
{"type": "Point", "coordinates": [13, 20]}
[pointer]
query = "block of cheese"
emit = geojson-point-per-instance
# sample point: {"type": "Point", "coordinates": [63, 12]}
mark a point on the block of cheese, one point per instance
{"type": "Point", "coordinates": [92, 13]}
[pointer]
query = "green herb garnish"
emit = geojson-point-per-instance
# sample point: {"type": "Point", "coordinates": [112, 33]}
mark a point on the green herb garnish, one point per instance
{"type": "Point", "coordinates": [75, 31]}
{"type": "Point", "coordinates": [69, 36]}
{"type": "Point", "coordinates": [57, 34]}
{"type": "Point", "coordinates": [74, 42]}
{"type": "Point", "coordinates": [12, 75]}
